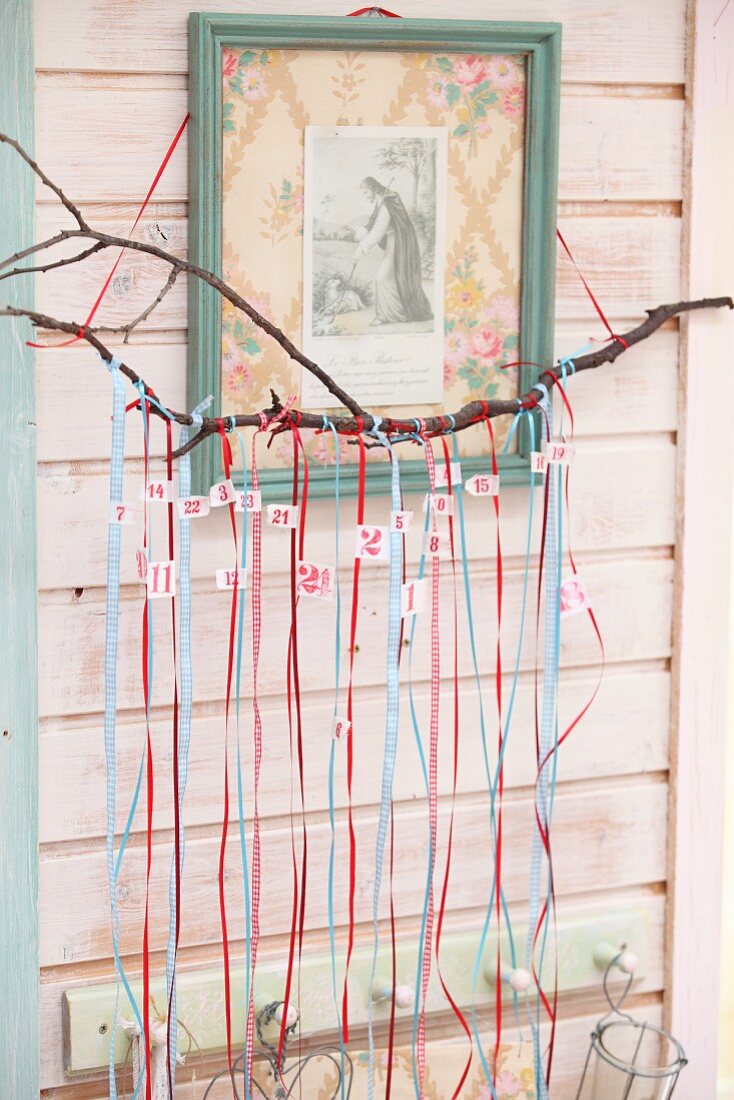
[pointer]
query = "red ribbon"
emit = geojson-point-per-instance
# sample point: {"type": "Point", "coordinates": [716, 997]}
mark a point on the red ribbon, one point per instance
{"type": "Point", "coordinates": [380, 11]}
{"type": "Point", "coordinates": [602, 316]}
{"type": "Point", "coordinates": [350, 743]}
{"type": "Point", "coordinates": [149, 787]}
{"type": "Point", "coordinates": [141, 211]}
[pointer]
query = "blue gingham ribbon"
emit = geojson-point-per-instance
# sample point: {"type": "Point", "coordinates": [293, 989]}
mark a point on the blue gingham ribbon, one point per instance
{"type": "Point", "coordinates": [391, 733]}
{"type": "Point", "coordinates": [112, 615]}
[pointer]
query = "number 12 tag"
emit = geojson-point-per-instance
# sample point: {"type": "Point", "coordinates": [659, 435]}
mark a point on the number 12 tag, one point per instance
{"type": "Point", "coordinates": [372, 542]}
{"type": "Point", "coordinates": [226, 578]}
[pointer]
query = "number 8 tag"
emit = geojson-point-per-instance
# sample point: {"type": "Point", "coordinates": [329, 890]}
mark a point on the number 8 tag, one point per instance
{"type": "Point", "coordinates": [574, 597]}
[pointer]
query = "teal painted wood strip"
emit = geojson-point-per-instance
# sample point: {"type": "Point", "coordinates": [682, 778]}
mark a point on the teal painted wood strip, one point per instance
{"type": "Point", "coordinates": [19, 1058]}
{"type": "Point", "coordinates": [208, 34]}
{"type": "Point", "coordinates": [88, 1010]}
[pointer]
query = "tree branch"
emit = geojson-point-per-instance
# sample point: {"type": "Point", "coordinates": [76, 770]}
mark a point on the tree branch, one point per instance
{"type": "Point", "coordinates": [360, 420]}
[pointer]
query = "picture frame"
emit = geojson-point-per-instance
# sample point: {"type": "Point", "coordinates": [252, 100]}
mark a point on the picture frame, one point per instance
{"type": "Point", "coordinates": [268, 80]}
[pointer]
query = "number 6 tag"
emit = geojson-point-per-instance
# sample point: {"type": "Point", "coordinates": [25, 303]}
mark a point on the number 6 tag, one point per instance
{"type": "Point", "coordinates": [372, 542]}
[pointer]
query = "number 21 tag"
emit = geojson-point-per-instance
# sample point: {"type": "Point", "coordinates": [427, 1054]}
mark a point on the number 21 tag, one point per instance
{"type": "Point", "coordinates": [283, 515]}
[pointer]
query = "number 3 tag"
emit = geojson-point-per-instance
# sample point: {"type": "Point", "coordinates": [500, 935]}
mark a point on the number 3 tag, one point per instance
{"type": "Point", "coordinates": [372, 542]}
{"type": "Point", "coordinates": [574, 597]}
{"type": "Point", "coordinates": [315, 580]}
{"type": "Point", "coordinates": [222, 493]}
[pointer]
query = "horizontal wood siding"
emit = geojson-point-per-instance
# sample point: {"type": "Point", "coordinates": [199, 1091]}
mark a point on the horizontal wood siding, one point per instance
{"type": "Point", "coordinates": [118, 70]}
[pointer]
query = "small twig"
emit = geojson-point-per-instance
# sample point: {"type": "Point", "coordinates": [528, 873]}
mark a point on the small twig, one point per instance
{"type": "Point", "coordinates": [39, 247]}
{"type": "Point", "coordinates": [70, 206]}
{"type": "Point", "coordinates": [127, 329]}
{"type": "Point", "coordinates": [43, 268]}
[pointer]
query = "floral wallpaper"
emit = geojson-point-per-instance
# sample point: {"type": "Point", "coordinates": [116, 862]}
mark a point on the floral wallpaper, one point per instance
{"type": "Point", "coordinates": [268, 98]}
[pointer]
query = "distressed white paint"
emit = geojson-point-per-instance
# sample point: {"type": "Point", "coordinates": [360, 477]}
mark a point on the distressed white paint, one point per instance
{"type": "Point", "coordinates": [118, 69]}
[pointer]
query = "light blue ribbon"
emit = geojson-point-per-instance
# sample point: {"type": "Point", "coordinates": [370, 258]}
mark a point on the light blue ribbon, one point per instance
{"type": "Point", "coordinates": [184, 726]}
{"type": "Point", "coordinates": [391, 734]}
{"type": "Point", "coordinates": [112, 615]}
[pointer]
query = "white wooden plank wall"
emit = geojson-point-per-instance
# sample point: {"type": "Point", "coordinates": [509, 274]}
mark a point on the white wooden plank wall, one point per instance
{"type": "Point", "coordinates": [111, 90]}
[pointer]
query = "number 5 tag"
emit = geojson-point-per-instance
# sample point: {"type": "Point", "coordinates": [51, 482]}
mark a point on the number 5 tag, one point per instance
{"type": "Point", "coordinates": [372, 542]}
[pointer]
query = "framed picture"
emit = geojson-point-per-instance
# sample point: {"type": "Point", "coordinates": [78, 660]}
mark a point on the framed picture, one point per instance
{"type": "Point", "coordinates": [384, 191]}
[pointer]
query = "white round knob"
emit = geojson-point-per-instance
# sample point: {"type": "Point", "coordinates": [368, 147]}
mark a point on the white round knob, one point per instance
{"type": "Point", "coordinates": [628, 962]}
{"type": "Point", "coordinates": [404, 996]}
{"type": "Point", "coordinates": [292, 1016]}
{"type": "Point", "coordinates": [519, 979]}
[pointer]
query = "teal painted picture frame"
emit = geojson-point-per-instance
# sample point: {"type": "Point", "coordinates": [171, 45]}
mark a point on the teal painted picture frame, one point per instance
{"type": "Point", "coordinates": [540, 46]}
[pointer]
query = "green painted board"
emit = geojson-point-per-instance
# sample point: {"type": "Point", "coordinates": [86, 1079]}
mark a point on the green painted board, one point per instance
{"type": "Point", "coordinates": [89, 1010]}
{"type": "Point", "coordinates": [19, 1056]}
{"type": "Point", "coordinates": [208, 34]}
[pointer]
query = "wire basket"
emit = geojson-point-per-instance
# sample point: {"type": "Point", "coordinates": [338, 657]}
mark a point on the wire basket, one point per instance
{"type": "Point", "coordinates": [629, 1059]}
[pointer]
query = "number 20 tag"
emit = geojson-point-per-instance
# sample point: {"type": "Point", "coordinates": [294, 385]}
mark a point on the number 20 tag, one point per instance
{"type": "Point", "coordinates": [372, 542]}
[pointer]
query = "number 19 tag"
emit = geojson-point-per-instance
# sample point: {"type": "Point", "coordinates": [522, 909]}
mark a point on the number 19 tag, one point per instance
{"type": "Point", "coordinates": [372, 542]}
{"type": "Point", "coordinates": [557, 451]}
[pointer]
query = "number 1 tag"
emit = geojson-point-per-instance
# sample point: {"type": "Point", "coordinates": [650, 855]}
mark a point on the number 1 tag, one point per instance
{"type": "Point", "coordinates": [283, 515]}
{"type": "Point", "coordinates": [160, 579]}
{"type": "Point", "coordinates": [413, 597]}
{"type": "Point", "coordinates": [574, 597]}
{"type": "Point", "coordinates": [372, 542]}
{"type": "Point", "coordinates": [315, 580]}
{"type": "Point", "coordinates": [340, 728]}
{"type": "Point", "coordinates": [222, 493]}
{"type": "Point", "coordinates": [483, 485]}
{"type": "Point", "coordinates": [226, 578]}
{"type": "Point", "coordinates": [538, 462]}
{"type": "Point", "coordinates": [192, 507]}
{"type": "Point", "coordinates": [124, 514]}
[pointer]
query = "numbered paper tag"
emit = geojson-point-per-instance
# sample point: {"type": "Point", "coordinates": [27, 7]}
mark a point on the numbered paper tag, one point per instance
{"type": "Point", "coordinates": [538, 462]}
{"type": "Point", "coordinates": [413, 597]}
{"type": "Point", "coordinates": [161, 491]}
{"type": "Point", "coordinates": [372, 542]}
{"type": "Point", "coordinates": [192, 507]}
{"type": "Point", "coordinates": [253, 501]}
{"type": "Point", "coordinates": [160, 579]}
{"type": "Point", "coordinates": [283, 515]}
{"type": "Point", "coordinates": [483, 485]}
{"type": "Point", "coordinates": [340, 728]}
{"type": "Point", "coordinates": [401, 521]}
{"type": "Point", "coordinates": [141, 562]}
{"type": "Point", "coordinates": [124, 514]}
{"type": "Point", "coordinates": [436, 544]}
{"type": "Point", "coordinates": [441, 503]}
{"type": "Point", "coordinates": [227, 578]}
{"type": "Point", "coordinates": [574, 597]}
{"type": "Point", "coordinates": [555, 451]}
{"type": "Point", "coordinates": [222, 493]}
{"type": "Point", "coordinates": [315, 580]}
{"type": "Point", "coordinates": [442, 475]}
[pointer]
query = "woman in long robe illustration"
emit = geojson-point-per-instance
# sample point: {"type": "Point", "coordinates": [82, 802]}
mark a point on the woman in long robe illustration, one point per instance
{"type": "Point", "coordinates": [399, 294]}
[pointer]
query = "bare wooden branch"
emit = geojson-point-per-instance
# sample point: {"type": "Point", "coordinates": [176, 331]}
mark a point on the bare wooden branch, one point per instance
{"type": "Point", "coordinates": [70, 206]}
{"type": "Point", "coordinates": [471, 413]}
{"type": "Point", "coordinates": [360, 420]}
